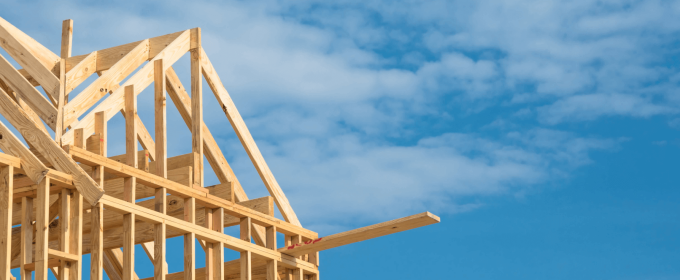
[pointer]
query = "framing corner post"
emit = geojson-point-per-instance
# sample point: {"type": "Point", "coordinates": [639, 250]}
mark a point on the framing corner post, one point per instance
{"type": "Point", "coordinates": [42, 229]}
{"type": "Point", "coordinates": [130, 183]}
{"type": "Point", "coordinates": [97, 242]}
{"type": "Point", "coordinates": [66, 38]}
{"type": "Point", "coordinates": [65, 232]}
{"type": "Point", "coordinates": [190, 240]}
{"type": "Point", "coordinates": [26, 253]}
{"type": "Point", "coordinates": [272, 272]}
{"type": "Point", "coordinates": [196, 106]}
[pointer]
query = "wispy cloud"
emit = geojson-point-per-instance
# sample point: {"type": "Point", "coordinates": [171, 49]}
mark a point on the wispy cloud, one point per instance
{"type": "Point", "coordinates": [341, 96]}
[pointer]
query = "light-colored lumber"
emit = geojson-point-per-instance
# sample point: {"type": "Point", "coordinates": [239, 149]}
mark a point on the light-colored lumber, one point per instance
{"type": "Point", "coordinates": [76, 234]}
{"type": "Point", "coordinates": [108, 57]}
{"type": "Point", "coordinates": [43, 143]}
{"type": "Point", "coordinates": [130, 183]}
{"type": "Point", "coordinates": [6, 196]}
{"type": "Point", "coordinates": [159, 258]}
{"type": "Point", "coordinates": [246, 257]}
{"type": "Point", "coordinates": [66, 38]}
{"type": "Point", "coordinates": [23, 52]}
{"type": "Point", "coordinates": [26, 240]}
{"type": "Point", "coordinates": [272, 272]}
{"type": "Point", "coordinates": [209, 247]}
{"type": "Point", "coordinates": [212, 151]}
{"type": "Point", "coordinates": [177, 189]}
{"type": "Point", "coordinates": [160, 119]}
{"type": "Point", "coordinates": [218, 250]}
{"type": "Point", "coordinates": [42, 227]}
{"type": "Point", "coordinates": [64, 236]}
{"type": "Point", "coordinates": [46, 57]}
{"type": "Point", "coordinates": [80, 72]}
{"type": "Point", "coordinates": [61, 99]}
{"type": "Point", "coordinates": [32, 97]}
{"type": "Point", "coordinates": [361, 234]}
{"type": "Point", "coordinates": [247, 140]}
{"type": "Point", "coordinates": [97, 242]}
{"type": "Point", "coordinates": [101, 87]}
{"type": "Point", "coordinates": [190, 239]}
{"type": "Point", "coordinates": [196, 106]}
{"type": "Point", "coordinates": [141, 79]}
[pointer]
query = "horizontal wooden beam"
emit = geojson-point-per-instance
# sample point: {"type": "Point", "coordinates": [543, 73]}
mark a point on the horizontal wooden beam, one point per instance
{"type": "Point", "coordinates": [202, 197]}
{"type": "Point", "coordinates": [56, 254]}
{"type": "Point", "coordinates": [361, 234]}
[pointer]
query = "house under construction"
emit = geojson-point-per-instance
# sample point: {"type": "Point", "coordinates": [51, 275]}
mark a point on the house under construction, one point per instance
{"type": "Point", "coordinates": [64, 197]}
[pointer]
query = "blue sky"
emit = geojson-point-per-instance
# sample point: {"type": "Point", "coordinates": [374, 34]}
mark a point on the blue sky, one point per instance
{"type": "Point", "coordinates": [544, 133]}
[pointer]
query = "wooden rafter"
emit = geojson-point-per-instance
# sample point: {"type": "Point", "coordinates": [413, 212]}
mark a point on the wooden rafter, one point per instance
{"type": "Point", "coordinates": [89, 191]}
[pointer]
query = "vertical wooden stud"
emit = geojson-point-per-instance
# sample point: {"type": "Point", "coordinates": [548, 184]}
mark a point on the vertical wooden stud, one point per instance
{"type": "Point", "coordinates": [189, 240]}
{"type": "Point", "coordinates": [66, 38]}
{"type": "Point", "coordinates": [218, 250]}
{"type": "Point", "coordinates": [42, 228]}
{"type": "Point", "coordinates": [272, 273]}
{"type": "Point", "coordinates": [97, 242]}
{"type": "Point", "coordinates": [76, 232]}
{"type": "Point", "coordinates": [6, 194]}
{"type": "Point", "coordinates": [160, 114]}
{"type": "Point", "coordinates": [79, 138]}
{"type": "Point", "coordinates": [196, 106]}
{"type": "Point", "coordinates": [209, 247]}
{"type": "Point", "coordinates": [59, 128]}
{"type": "Point", "coordinates": [130, 183]}
{"type": "Point", "coordinates": [246, 257]}
{"type": "Point", "coordinates": [297, 274]}
{"type": "Point", "coordinates": [159, 264]}
{"type": "Point", "coordinates": [26, 253]}
{"type": "Point", "coordinates": [101, 128]}
{"type": "Point", "coordinates": [65, 232]}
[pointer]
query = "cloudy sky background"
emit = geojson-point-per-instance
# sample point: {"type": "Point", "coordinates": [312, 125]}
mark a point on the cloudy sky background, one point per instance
{"type": "Point", "coordinates": [371, 110]}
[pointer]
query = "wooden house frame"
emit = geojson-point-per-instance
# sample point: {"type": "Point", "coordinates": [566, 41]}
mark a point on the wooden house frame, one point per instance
{"type": "Point", "coordinates": [63, 197]}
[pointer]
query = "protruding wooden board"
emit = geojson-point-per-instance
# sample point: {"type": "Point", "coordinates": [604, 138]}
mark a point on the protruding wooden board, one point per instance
{"type": "Point", "coordinates": [28, 93]}
{"type": "Point", "coordinates": [32, 56]}
{"type": "Point", "coordinates": [361, 234]}
{"type": "Point", "coordinates": [141, 79]}
{"type": "Point", "coordinates": [32, 166]}
{"type": "Point", "coordinates": [48, 148]}
{"type": "Point", "coordinates": [66, 38]}
{"type": "Point", "coordinates": [247, 140]}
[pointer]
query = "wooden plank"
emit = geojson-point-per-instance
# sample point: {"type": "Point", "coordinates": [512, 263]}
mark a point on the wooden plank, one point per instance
{"type": "Point", "coordinates": [81, 71]}
{"type": "Point", "coordinates": [218, 253]}
{"type": "Point", "coordinates": [43, 143]}
{"type": "Point", "coordinates": [26, 240]}
{"type": "Point", "coordinates": [182, 191]}
{"type": "Point", "coordinates": [61, 99]}
{"type": "Point", "coordinates": [101, 87]}
{"type": "Point", "coordinates": [97, 242]}
{"type": "Point", "coordinates": [130, 183]}
{"type": "Point", "coordinates": [212, 151]}
{"type": "Point", "coordinates": [190, 239]}
{"type": "Point", "coordinates": [361, 234]}
{"type": "Point", "coordinates": [46, 57]}
{"type": "Point", "coordinates": [6, 196]}
{"type": "Point", "coordinates": [65, 236]}
{"type": "Point", "coordinates": [247, 140]}
{"type": "Point", "coordinates": [160, 117]}
{"type": "Point", "coordinates": [27, 58]}
{"type": "Point", "coordinates": [66, 38]}
{"type": "Point", "coordinates": [159, 259]}
{"type": "Point", "coordinates": [272, 272]}
{"type": "Point", "coordinates": [32, 97]}
{"type": "Point", "coordinates": [196, 106]}
{"type": "Point", "coordinates": [209, 247]}
{"type": "Point", "coordinates": [111, 55]}
{"type": "Point", "coordinates": [32, 166]}
{"type": "Point", "coordinates": [76, 234]}
{"type": "Point", "coordinates": [246, 256]}
{"type": "Point", "coordinates": [42, 227]}
{"type": "Point", "coordinates": [141, 79]}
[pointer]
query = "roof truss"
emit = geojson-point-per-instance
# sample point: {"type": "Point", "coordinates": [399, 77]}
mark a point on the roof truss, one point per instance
{"type": "Point", "coordinates": [70, 176]}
